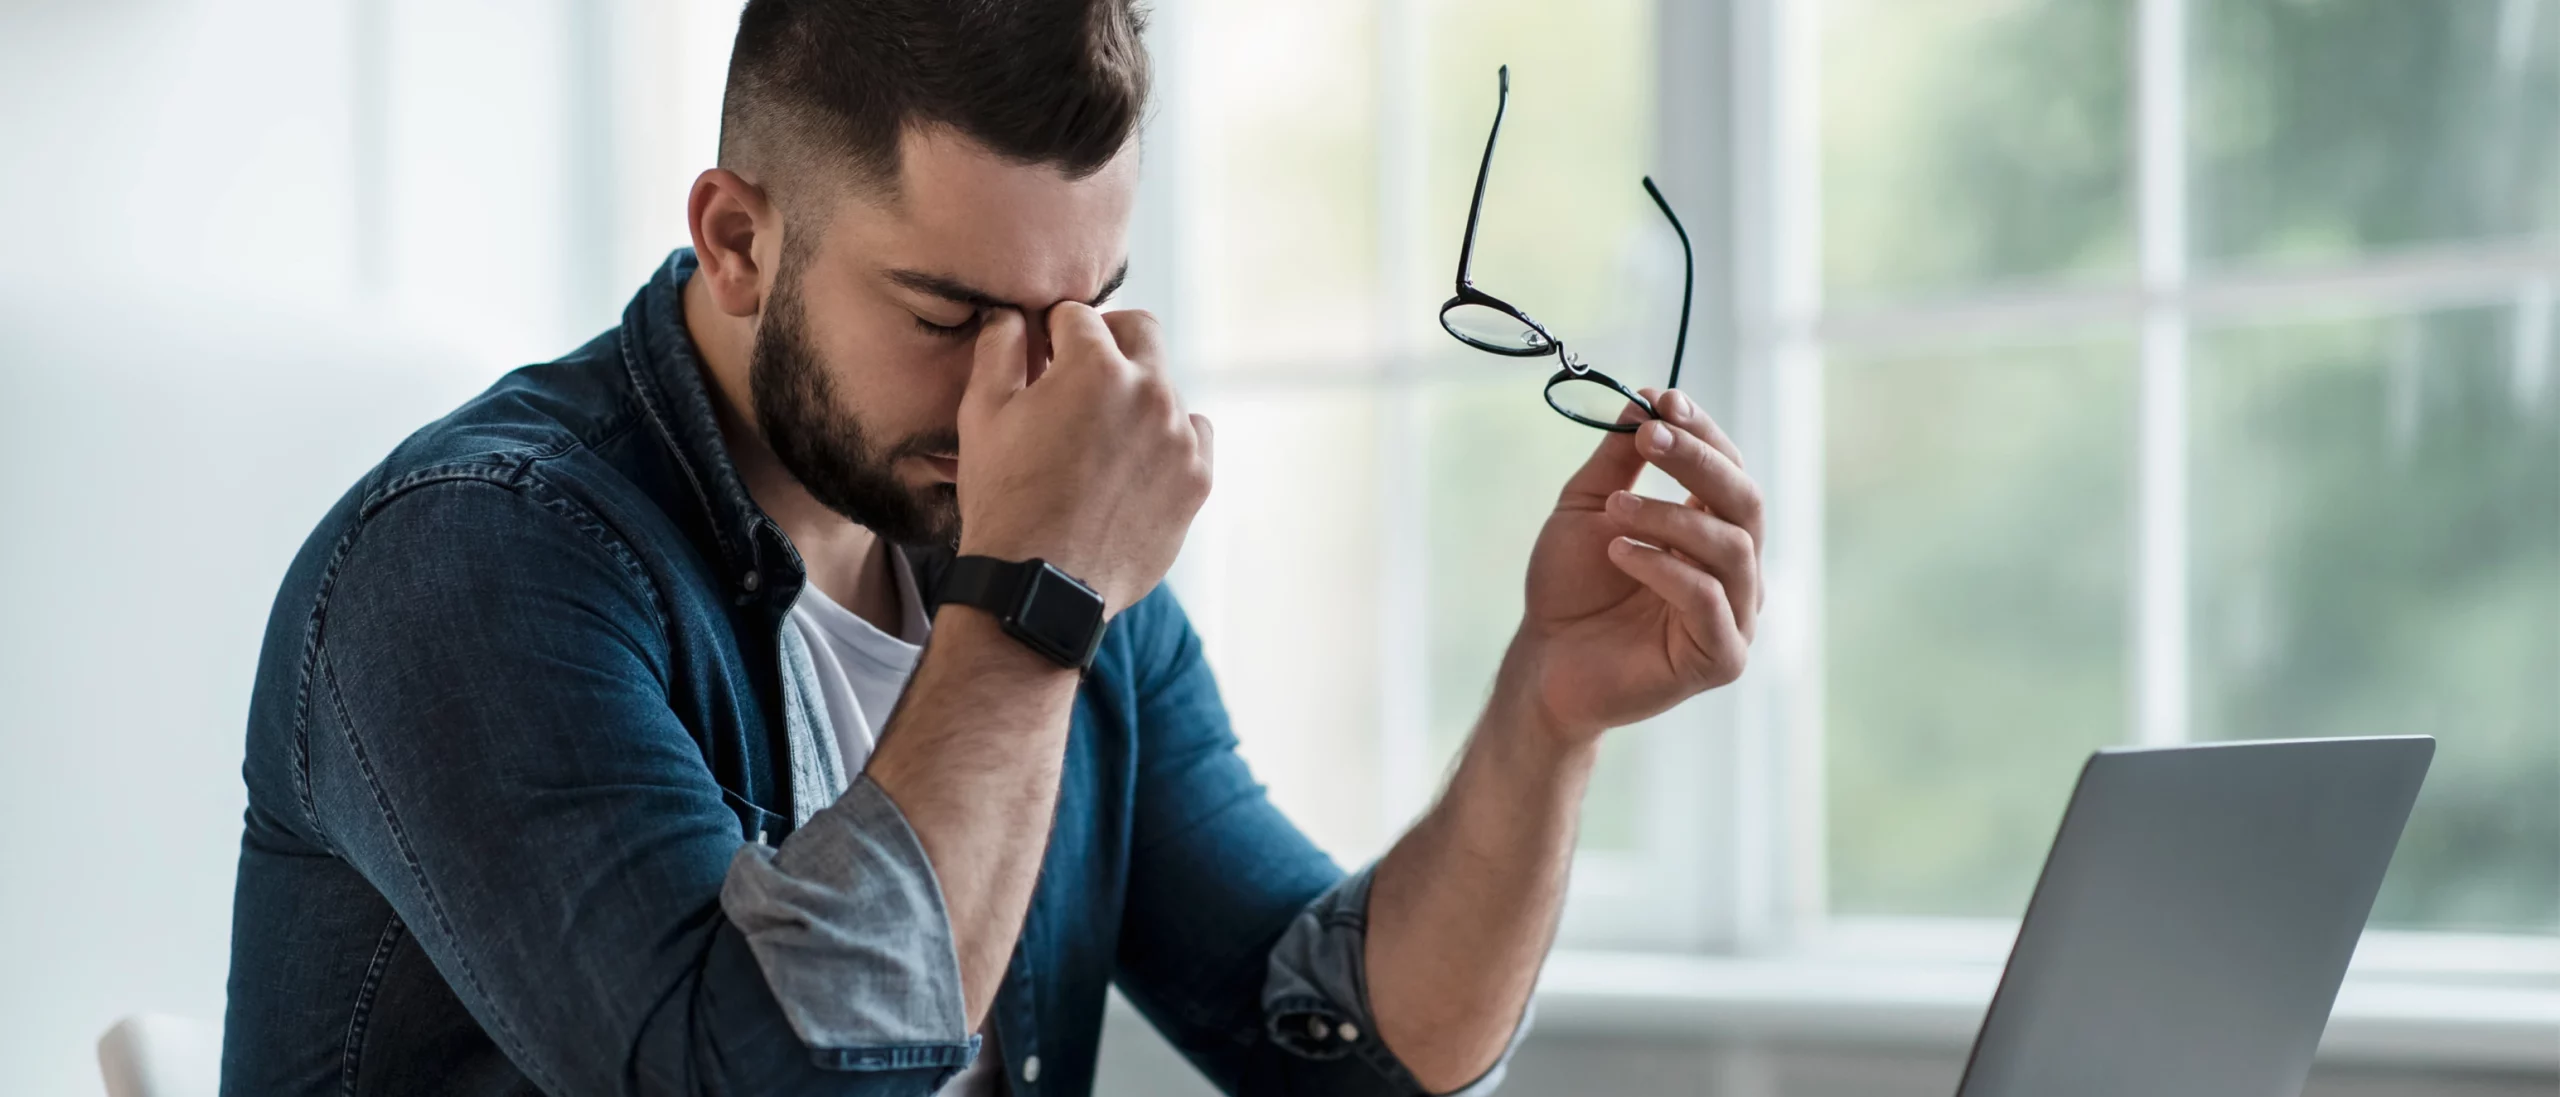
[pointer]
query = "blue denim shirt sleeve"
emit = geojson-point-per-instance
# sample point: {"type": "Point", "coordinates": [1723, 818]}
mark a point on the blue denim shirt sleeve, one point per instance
{"type": "Point", "coordinates": [489, 650]}
{"type": "Point", "coordinates": [1240, 936]}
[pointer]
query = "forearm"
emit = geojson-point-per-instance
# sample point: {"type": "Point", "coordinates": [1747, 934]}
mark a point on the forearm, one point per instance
{"type": "Point", "coordinates": [972, 759]}
{"type": "Point", "coordinates": [1462, 910]}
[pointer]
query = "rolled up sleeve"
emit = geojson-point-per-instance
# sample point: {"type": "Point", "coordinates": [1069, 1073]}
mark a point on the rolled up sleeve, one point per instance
{"type": "Point", "coordinates": [1315, 1000]}
{"type": "Point", "coordinates": [848, 924]}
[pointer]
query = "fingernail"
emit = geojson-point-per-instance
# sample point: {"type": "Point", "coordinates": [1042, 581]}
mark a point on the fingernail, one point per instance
{"type": "Point", "coordinates": [1655, 435]}
{"type": "Point", "coordinates": [1622, 503]}
{"type": "Point", "coordinates": [1676, 402]}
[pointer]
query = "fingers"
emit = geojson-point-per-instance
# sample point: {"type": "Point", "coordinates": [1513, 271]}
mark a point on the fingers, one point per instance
{"type": "Point", "coordinates": [1725, 550]}
{"type": "Point", "coordinates": [1138, 336]}
{"type": "Point", "coordinates": [1208, 436]}
{"type": "Point", "coordinates": [1680, 411]}
{"type": "Point", "coordinates": [1696, 599]}
{"type": "Point", "coordinates": [1000, 368]}
{"type": "Point", "coordinates": [1133, 339]}
{"type": "Point", "coordinates": [1079, 335]}
{"type": "Point", "coordinates": [1678, 444]}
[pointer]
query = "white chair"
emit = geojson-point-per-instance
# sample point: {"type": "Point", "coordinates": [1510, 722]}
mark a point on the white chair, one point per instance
{"type": "Point", "coordinates": [161, 1055]}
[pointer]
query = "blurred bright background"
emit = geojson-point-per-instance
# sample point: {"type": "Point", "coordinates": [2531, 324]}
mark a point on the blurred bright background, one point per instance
{"type": "Point", "coordinates": [2121, 371]}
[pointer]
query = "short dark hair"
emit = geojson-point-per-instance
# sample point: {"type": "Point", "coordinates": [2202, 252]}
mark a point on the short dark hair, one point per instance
{"type": "Point", "coordinates": [829, 85]}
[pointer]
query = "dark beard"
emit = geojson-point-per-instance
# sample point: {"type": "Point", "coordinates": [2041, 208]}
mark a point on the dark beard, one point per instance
{"type": "Point", "coordinates": [830, 454]}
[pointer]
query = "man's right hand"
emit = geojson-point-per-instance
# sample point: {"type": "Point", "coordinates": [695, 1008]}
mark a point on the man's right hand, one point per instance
{"type": "Point", "coordinates": [1092, 465]}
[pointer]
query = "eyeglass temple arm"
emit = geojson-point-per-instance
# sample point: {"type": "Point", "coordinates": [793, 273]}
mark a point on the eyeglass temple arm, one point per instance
{"type": "Point", "coordinates": [1688, 263]}
{"type": "Point", "coordinates": [1467, 244]}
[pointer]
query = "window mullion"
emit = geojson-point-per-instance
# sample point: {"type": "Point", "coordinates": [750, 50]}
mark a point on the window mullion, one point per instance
{"type": "Point", "coordinates": [1763, 171]}
{"type": "Point", "coordinates": [2160, 590]}
{"type": "Point", "coordinates": [1404, 703]}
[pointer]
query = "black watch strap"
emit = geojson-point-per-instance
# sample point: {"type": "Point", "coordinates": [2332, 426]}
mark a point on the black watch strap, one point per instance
{"type": "Point", "coordinates": [1048, 610]}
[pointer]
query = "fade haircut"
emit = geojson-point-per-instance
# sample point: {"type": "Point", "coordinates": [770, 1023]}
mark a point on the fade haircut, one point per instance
{"type": "Point", "coordinates": [820, 90]}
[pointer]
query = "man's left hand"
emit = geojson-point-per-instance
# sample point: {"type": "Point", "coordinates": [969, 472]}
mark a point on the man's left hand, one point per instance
{"type": "Point", "coordinates": [1636, 604]}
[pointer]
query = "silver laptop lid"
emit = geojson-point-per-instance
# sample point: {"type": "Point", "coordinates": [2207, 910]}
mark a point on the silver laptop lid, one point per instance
{"type": "Point", "coordinates": [2195, 918]}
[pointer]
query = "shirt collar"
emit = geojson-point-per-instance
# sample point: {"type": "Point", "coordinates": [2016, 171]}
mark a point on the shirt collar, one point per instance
{"type": "Point", "coordinates": [667, 372]}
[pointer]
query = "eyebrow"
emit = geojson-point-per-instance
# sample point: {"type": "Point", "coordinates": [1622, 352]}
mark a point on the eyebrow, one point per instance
{"type": "Point", "coordinates": [955, 290]}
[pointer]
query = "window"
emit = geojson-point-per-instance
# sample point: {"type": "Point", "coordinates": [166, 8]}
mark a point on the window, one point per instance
{"type": "Point", "coordinates": [2122, 371]}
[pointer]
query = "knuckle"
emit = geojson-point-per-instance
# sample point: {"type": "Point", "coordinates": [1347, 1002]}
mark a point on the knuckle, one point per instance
{"type": "Point", "coordinates": [1735, 543]}
{"type": "Point", "coordinates": [1731, 661]}
{"type": "Point", "coordinates": [1160, 402]}
{"type": "Point", "coordinates": [1749, 505]}
{"type": "Point", "coordinates": [1120, 372]}
{"type": "Point", "coordinates": [1709, 599]}
{"type": "Point", "coordinates": [1137, 321]}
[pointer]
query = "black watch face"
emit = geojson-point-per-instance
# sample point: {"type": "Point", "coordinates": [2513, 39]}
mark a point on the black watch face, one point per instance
{"type": "Point", "coordinates": [1060, 611]}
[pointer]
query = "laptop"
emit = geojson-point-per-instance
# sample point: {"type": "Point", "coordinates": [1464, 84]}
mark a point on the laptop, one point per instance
{"type": "Point", "coordinates": [2195, 918]}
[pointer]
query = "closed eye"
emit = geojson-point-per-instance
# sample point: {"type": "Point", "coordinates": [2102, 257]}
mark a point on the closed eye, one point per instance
{"type": "Point", "coordinates": [961, 330]}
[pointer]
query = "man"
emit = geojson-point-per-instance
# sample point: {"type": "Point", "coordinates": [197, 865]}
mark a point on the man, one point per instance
{"type": "Point", "coordinates": [729, 706]}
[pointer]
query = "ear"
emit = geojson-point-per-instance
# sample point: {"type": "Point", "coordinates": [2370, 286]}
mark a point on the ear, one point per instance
{"type": "Point", "coordinates": [737, 238]}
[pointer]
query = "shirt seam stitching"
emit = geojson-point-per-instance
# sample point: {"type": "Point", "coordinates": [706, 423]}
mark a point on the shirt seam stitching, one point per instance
{"type": "Point", "coordinates": [309, 675]}
{"type": "Point", "coordinates": [417, 872]}
{"type": "Point", "coordinates": [351, 1050]}
{"type": "Point", "coordinates": [520, 476]}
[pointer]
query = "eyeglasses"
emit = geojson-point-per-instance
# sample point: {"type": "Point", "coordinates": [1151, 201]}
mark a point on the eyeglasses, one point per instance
{"type": "Point", "coordinates": [1488, 323]}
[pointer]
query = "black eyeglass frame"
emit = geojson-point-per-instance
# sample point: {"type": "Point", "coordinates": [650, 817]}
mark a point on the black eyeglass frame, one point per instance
{"type": "Point", "coordinates": [1547, 343]}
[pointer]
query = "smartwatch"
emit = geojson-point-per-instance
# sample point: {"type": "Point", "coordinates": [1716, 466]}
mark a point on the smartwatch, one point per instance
{"type": "Point", "coordinates": [1048, 610]}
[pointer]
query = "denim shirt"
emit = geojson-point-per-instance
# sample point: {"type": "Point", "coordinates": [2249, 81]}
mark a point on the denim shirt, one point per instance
{"type": "Point", "coordinates": [540, 799]}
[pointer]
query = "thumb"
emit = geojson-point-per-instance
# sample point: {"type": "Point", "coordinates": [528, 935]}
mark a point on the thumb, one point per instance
{"type": "Point", "coordinates": [1000, 368]}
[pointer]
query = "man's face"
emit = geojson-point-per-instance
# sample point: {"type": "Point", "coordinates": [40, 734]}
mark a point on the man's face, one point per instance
{"type": "Point", "coordinates": [865, 343]}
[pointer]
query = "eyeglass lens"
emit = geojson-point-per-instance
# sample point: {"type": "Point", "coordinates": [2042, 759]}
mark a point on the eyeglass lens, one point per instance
{"type": "Point", "coordinates": [1588, 399]}
{"type": "Point", "coordinates": [1491, 328]}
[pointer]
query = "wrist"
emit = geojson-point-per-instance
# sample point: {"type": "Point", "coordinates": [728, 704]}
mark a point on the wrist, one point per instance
{"type": "Point", "coordinates": [1519, 725]}
{"type": "Point", "coordinates": [1034, 601]}
{"type": "Point", "coordinates": [977, 640]}
{"type": "Point", "coordinates": [1520, 769]}
{"type": "Point", "coordinates": [1519, 702]}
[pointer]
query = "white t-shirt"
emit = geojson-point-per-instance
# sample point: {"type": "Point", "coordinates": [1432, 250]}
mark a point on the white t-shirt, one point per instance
{"type": "Point", "coordinates": [861, 671]}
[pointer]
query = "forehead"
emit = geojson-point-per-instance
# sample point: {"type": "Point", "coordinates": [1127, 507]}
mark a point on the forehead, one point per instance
{"type": "Point", "coordinates": [1023, 233]}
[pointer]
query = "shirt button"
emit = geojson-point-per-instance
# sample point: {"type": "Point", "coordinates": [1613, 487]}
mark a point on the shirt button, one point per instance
{"type": "Point", "coordinates": [1315, 1027]}
{"type": "Point", "coordinates": [1031, 1068]}
{"type": "Point", "coordinates": [1349, 1032]}
{"type": "Point", "coordinates": [751, 581]}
